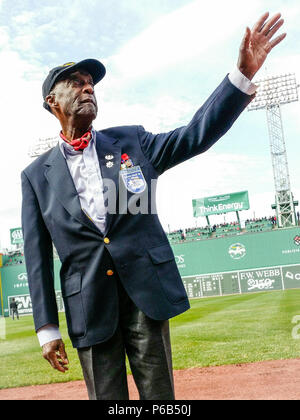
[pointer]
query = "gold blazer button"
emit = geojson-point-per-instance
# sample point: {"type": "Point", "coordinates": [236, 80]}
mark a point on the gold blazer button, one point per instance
{"type": "Point", "coordinates": [106, 241]}
{"type": "Point", "coordinates": [110, 273]}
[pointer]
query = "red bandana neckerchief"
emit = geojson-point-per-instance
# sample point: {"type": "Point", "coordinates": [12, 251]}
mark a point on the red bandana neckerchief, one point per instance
{"type": "Point", "coordinates": [81, 143]}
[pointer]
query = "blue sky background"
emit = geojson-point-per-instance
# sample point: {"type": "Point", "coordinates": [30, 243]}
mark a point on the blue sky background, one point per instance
{"type": "Point", "coordinates": [163, 59]}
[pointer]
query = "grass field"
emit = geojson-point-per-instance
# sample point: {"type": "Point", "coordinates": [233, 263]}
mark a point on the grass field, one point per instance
{"type": "Point", "coordinates": [215, 331]}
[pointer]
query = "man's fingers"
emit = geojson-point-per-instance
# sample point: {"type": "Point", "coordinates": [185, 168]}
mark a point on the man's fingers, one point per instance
{"type": "Point", "coordinates": [275, 28]}
{"type": "Point", "coordinates": [55, 363]}
{"type": "Point", "coordinates": [246, 40]}
{"type": "Point", "coordinates": [63, 354]}
{"type": "Point", "coordinates": [277, 40]}
{"type": "Point", "coordinates": [259, 24]}
{"type": "Point", "coordinates": [55, 353]}
{"type": "Point", "coordinates": [63, 361]}
{"type": "Point", "coordinates": [269, 24]}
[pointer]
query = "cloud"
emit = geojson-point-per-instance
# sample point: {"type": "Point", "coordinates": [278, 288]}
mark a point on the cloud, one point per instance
{"type": "Point", "coordinates": [24, 18]}
{"type": "Point", "coordinates": [23, 122]}
{"type": "Point", "coordinates": [54, 32]}
{"type": "Point", "coordinates": [161, 115]}
{"type": "Point", "coordinates": [185, 34]}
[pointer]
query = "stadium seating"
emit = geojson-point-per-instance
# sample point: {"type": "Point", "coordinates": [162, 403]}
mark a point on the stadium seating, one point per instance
{"type": "Point", "coordinates": [227, 230]}
{"type": "Point", "coordinates": [259, 226]}
{"type": "Point", "coordinates": [191, 234]}
{"type": "Point", "coordinates": [12, 259]}
{"type": "Point", "coordinates": [174, 237]}
{"type": "Point", "coordinates": [221, 231]}
{"type": "Point", "coordinates": [197, 234]}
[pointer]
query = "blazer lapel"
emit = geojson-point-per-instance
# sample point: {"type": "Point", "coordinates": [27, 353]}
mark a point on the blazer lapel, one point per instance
{"type": "Point", "coordinates": [60, 180]}
{"type": "Point", "coordinates": [109, 155]}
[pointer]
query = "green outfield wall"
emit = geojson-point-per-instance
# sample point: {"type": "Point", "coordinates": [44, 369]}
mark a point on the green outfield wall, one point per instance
{"type": "Point", "coordinates": [15, 284]}
{"type": "Point", "coordinates": [243, 263]}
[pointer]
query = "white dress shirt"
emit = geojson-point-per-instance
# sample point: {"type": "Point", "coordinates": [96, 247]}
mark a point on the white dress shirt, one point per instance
{"type": "Point", "coordinates": [85, 171]}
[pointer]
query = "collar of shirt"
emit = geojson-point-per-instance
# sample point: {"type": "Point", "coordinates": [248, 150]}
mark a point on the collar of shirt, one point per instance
{"type": "Point", "coordinates": [66, 148]}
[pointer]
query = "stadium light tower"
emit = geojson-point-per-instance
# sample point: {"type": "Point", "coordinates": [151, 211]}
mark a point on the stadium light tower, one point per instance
{"type": "Point", "coordinates": [272, 93]}
{"type": "Point", "coordinates": [42, 146]}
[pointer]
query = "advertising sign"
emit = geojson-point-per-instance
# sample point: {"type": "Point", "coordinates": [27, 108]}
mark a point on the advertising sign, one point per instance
{"type": "Point", "coordinates": [221, 204]}
{"type": "Point", "coordinates": [260, 280]}
{"type": "Point", "coordinates": [16, 236]}
{"type": "Point", "coordinates": [25, 305]}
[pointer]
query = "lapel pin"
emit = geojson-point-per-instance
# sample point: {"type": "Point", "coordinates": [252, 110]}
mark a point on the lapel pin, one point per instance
{"type": "Point", "coordinates": [126, 162]}
{"type": "Point", "coordinates": [109, 157]}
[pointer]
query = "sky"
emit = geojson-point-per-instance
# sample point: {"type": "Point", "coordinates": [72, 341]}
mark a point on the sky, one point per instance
{"type": "Point", "coordinates": [163, 58]}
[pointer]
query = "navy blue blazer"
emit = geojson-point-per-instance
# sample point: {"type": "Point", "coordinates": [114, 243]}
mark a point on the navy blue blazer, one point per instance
{"type": "Point", "coordinates": [138, 245]}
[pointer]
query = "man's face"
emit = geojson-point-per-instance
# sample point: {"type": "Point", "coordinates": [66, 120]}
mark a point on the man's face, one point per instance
{"type": "Point", "coordinates": [75, 95]}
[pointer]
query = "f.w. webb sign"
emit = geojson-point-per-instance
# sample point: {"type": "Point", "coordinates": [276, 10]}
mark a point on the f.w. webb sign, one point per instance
{"type": "Point", "coordinates": [221, 204]}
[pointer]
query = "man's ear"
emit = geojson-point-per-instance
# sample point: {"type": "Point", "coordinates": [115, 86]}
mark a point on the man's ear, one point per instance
{"type": "Point", "coordinates": [51, 100]}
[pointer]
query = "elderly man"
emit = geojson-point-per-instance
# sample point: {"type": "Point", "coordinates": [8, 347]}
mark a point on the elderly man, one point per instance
{"type": "Point", "coordinates": [92, 196]}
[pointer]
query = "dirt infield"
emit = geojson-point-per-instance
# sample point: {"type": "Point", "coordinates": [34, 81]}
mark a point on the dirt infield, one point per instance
{"type": "Point", "coordinates": [272, 380]}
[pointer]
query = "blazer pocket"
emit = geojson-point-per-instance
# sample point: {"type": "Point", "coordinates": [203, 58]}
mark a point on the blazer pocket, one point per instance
{"type": "Point", "coordinates": [71, 291]}
{"type": "Point", "coordinates": [166, 268]}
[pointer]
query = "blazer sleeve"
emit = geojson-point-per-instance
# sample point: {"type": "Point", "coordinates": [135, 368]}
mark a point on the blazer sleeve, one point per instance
{"type": "Point", "coordinates": [38, 252]}
{"type": "Point", "coordinates": [209, 123]}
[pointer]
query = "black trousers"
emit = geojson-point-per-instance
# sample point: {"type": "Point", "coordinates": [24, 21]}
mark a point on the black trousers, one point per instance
{"type": "Point", "coordinates": [15, 312]}
{"type": "Point", "coordinates": [147, 345]}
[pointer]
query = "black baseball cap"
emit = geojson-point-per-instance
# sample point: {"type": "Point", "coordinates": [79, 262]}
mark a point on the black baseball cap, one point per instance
{"type": "Point", "coordinates": [94, 67]}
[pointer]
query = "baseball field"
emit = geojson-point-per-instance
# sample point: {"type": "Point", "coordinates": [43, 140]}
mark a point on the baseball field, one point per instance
{"type": "Point", "coordinates": [230, 330]}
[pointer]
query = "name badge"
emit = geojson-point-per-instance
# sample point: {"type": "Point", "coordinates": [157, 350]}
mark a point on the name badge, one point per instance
{"type": "Point", "coordinates": [133, 179]}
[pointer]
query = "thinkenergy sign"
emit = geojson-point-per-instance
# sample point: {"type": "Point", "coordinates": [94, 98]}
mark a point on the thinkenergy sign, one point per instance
{"type": "Point", "coordinates": [221, 204]}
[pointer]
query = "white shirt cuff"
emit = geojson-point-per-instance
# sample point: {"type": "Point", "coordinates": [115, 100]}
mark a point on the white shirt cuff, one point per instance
{"type": "Point", "coordinates": [242, 82]}
{"type": "Point", "coordinates": [48, 333]}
